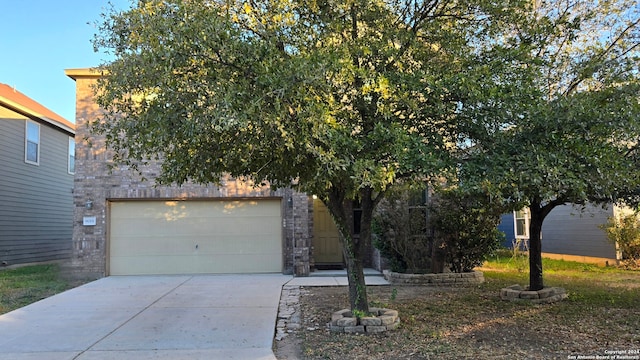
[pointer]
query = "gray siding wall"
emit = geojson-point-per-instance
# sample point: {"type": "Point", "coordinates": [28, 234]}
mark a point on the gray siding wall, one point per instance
{"type": "Point", "coordinates": [36, 208]}
{"type": "Point", "coordinates": [571, 231]}
{"type": "Point", "coordinates": [568, 230]}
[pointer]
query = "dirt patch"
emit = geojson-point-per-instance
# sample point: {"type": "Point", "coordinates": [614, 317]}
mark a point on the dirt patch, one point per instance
{"type": "Point", "coordinates": [289, 348]}
{"type": "Point", "coordinates": [461, 323]}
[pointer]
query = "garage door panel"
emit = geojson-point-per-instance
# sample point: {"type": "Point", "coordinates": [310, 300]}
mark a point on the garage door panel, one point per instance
{"type": "Point", "coordinates": [155, 245]}
{"type": "Point", "coordinates": [151, 245]}
{"type": "Point", "coordinates": [173, 237]}
{"type": "Point", "coordinates": [248, 263]}
{"type": "Point", "coordinates": [214, 264]}
{"type": "Point", "coordinates": [150, 264]}
{"type": "Point", "coordinates": [133, 227]}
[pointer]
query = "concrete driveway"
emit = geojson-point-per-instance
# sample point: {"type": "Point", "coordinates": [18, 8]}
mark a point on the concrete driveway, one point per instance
{"type": "Point", "coordinates": [149, 317]}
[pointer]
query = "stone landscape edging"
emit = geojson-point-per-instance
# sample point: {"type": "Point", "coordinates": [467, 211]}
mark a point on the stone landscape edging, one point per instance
{"type": "Point", "coordinates": [440, 279]}
{"type": "Point", "coordinates": [381, 320]}
{"type": "Point", "coordinates": [544, 296]}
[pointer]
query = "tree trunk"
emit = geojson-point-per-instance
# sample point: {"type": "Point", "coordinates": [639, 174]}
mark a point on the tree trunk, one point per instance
{"type": "Point", "coordinates": [535, 251]}
{"type": "Point", "coordinates": [355, 275]}
{"type": "Point", "coordinates": [341, 210]}
{"type": "Point", "coordinates": [538, 214]}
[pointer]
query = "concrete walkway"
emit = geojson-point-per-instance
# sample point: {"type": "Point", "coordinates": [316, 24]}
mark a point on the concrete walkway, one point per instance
{"type": "Point", "coordinates": [337, 278]}
{"type": "Point", "coordinates": [157, 317]}
{"type": "Point", "coordinates": [149, 317]}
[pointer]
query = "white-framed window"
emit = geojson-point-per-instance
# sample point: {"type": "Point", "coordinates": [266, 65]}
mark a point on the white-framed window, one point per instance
{"type": "Point", "coordinates": [72, 155]}
{"type": "Point", "coordinates": [521, 220]}
{"type": "Point", "coordinates": [32, 143]}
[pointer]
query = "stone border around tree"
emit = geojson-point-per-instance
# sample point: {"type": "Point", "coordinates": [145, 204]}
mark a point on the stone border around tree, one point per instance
{"type": "Point", "coordinates": [443, 279]}
{"type": "Point", "coordinates": [381, 320]}
{"type": "Point", "coordinates": [544, 296]}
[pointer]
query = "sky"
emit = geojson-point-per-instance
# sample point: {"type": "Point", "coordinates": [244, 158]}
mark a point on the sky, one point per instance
{"type": "Point", "coordinates": [42, 38]}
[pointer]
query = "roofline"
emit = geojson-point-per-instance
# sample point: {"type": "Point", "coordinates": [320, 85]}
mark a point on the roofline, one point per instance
{"type": "Point", "coordinates": [84, 73]}
{"type": "Point", "coordinates": [66, 125]}
{"type": "Point", "coordinates": [60, 123]}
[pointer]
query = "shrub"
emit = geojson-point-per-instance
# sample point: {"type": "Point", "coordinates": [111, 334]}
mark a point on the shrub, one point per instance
{"type": "Point", "coordinates": [625, 232]}
{"type": "Point", "coordinates": [401, 232]}
{"type": "Point", "coordinates": [466, 227]}
{"type": "Point", "coordinates": [458, 229]}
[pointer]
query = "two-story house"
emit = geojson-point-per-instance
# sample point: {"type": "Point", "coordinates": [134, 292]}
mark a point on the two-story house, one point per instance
{"type": "Point", "coordinates": [37, 164]}
{"type": "Point", "coordinates": [125, 225]}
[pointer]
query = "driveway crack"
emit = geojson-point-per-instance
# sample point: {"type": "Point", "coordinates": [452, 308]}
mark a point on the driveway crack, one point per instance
{"type": "Point", "coordinates": [133, 317]}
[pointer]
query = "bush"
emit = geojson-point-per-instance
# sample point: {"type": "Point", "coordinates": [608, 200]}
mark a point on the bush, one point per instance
{"type": "Point", "coordinates": [625, 232]}
{"type": "Point", "coordinates": [466, 227]}
{"type": "Point", "coordinates": [401, 233]}
{"type": "Point", "coordinates": [458, 230]}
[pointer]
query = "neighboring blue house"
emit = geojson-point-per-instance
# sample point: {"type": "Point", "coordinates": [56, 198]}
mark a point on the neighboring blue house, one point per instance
{"type": "Point", "coordinates": [37, 161]}
{"type": "Point", "coordinates": [567, 233]}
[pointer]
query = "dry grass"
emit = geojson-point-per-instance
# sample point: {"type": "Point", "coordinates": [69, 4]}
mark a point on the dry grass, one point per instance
{"type": "Point", "coordinates": [602, 313]}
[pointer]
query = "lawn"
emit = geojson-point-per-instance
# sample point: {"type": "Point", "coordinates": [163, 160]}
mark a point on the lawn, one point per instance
{"type": "Point", "coordinates": [601, 314]}
{"type": "Point", "coordinates": [25, 285]}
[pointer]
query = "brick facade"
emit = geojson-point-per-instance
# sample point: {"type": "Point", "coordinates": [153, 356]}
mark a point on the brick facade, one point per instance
{"type": "Point", "coordinates": [95, 184]}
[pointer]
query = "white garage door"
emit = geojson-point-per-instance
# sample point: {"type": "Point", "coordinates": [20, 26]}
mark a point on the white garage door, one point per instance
{"type": "Point", "coordinates": [195, 237]}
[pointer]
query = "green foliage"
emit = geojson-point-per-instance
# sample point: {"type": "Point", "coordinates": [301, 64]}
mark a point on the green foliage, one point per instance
{"type": "Point", "coordinates": [514, 258]}
{"type": "Point", "coordinates": [380, 304]}
{"type": "Point", "coordinates": [333, 94]}
{"type": "Point", "coordinates": [25, 285]}
{"type": "Point", "coordinates": [360, 314]}
{"type": "Point", "coordinates": [342, 98]}
{"type": "Point", "coordinates": [401, 226]}
{"type": "Point", "coordinates": [465, 225]}
{"type": "Point", "coordinates": [624, 231]}
{"type": "Point", "coordinates": [347, 98]}
{"type": "Point", "coordinates": [589, 286]}
{"type": "Point", "coordinates": [563, 127]}
{"type": "Point", "coordinates": [394, 294]}
{"type": "Point", "coordinates": [577, 91]}
{"type": "Point", "coordinates": [394, 258]}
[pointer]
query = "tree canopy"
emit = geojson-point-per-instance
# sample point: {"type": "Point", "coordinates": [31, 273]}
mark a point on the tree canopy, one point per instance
{"type": "Point", "coordinates": [324, 92]}
{"type": "Point", "coordinates": [342, 98]}
{"type": "Point", "coordinates": [536, 101]}
{"type": "Point", "coordinates": [572, 136]}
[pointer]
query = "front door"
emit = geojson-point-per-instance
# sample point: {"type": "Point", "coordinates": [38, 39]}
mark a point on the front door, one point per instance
{"type": "Point", "coordinates": [327, 249]}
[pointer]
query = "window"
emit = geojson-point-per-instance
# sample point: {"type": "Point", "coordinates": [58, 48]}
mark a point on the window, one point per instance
{"type": "Point", "coordinates": [521, 219]}
{"type": "Point", "coordinates": [72, 155]}
{"type": "Point", "coordinates": [418, 213]}
{"type": "Point", "coordinates": [32, 143]}
{"type": "Point", "coordinates": [357, 217]}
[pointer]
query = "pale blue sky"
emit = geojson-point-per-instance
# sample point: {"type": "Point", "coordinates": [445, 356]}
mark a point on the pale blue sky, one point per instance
{"type": "Point", "coordinates": [42, 38]}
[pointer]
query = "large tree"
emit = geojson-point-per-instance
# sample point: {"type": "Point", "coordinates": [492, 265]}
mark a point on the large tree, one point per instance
{"type": "Point", "coordinates": [566, 126]}
{"type": "Point", "coordinates": [342, 98]}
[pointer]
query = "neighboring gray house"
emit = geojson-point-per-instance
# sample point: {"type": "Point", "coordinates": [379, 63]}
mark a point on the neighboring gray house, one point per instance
{"type": "Point", "coordinates": [124, 225]}
{"type": "Point", "coordinates": [568, 233]}
{"type": "Point", "coordinates": [37, 151]}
